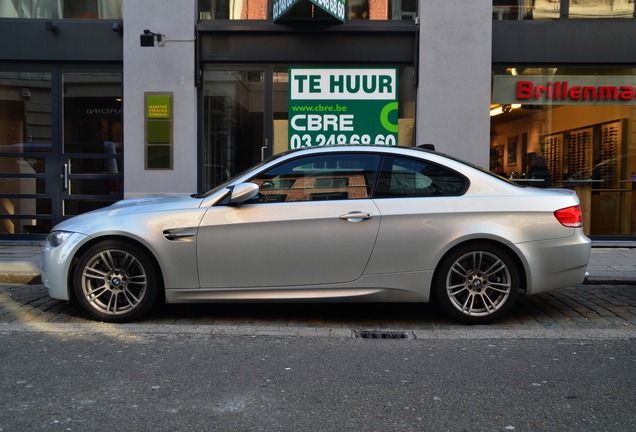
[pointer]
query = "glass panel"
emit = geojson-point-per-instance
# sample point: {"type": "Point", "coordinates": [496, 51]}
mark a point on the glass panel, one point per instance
{"type": "Point", "coordinates": [25, 140]}
{"type": "Point", "coordinates": [382, 9]}
{"type": "Point", "coordinates": [74, 207]}
{"type": "Point", "coordinates": [25, 186]}
{"type": "Point", "coordinates": [525, 9]}
{"type": "Point", "coordinates": [22, 165]}
{"type": "Point", "coordinates": [233, 9]}
{"type": "Point", "coordinates": [92, 9]}
{"type": "Point", "coordinates": [93, 126]}
{"type": "Point", "coordinates": [575, 124]}
{"type": "Point", "coordinates": [320, 178]}
{"type": "Point", "coordinates": [82, 9]}
{"type": "Point", "coordinates": [25, 226]}
{"type": "Point", "coordinates": [601, 9]}
{"type": "Point", "coordinates": [406, 110]}
{"type": "Point", "coordinates": [232, 123]}
{"type": "Point", "coordinates": [94, 166]}
{"type": "Point", "coordinates": [95, 187]}
{"type": "Point", "coordinates": [26, 9]}
{"type": "Point", "coordinates": [401, 177]}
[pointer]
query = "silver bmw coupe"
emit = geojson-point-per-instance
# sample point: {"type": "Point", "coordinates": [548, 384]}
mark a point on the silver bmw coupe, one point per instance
{"type": "Point", "coordinates": [346, 224]}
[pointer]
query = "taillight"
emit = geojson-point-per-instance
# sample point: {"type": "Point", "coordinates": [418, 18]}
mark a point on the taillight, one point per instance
{"type": "Point", "coordinates": [570, 217]}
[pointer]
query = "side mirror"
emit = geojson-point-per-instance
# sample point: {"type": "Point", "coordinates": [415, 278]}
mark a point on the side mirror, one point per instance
{"type": "Point", "coordinates": [243, 192]}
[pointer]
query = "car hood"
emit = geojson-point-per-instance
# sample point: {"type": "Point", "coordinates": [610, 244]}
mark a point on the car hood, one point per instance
{"type": "Point", "coordinates": [130, 206]}
{"type": "Point", "coordinates": [179, 201]}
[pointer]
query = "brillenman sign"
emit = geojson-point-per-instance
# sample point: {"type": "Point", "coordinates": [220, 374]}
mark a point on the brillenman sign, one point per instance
{"type": "Point", "coordinates": [329, 106]}
{"type": "Point", "coordinates": [564, 90]}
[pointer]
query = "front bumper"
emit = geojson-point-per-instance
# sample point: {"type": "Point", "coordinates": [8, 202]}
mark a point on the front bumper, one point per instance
{"type": "Point", "coordinates": [56, 266]}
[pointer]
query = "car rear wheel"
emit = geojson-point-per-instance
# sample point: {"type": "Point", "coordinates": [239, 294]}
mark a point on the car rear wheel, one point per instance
{"type": "Point", "coordinates": [116, 282]}
{"type": "Point", "coordinates": [477, 283]}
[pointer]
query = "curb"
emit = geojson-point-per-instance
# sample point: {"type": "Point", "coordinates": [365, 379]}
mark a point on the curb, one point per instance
{"type": "Point", "coordinates": [609, 281]}
{"type": "Point", "coordinates": [21, 278]}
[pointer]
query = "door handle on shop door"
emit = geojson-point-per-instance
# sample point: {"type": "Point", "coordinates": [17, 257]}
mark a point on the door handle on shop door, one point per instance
{"type": "Point", "coordinates": [356, 216]}
{"type": "Point", "coordinates": [64, 177]}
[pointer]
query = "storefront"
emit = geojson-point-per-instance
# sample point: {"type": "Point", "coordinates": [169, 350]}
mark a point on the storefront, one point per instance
{"type": "Point", "coordinates": [60, 147]}
{"type": "Point", "coordinates": [245, 80]}
{"type": "Point", "coordinates": [74, 87]}
{"type": "Point", "coordinates": [246, 114]}
{"type": "Point", "coordinates": [573, 128]}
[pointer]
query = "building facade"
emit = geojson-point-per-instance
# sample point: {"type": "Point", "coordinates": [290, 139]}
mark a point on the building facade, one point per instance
{"type": "Point", "coordinates": [104, 99]}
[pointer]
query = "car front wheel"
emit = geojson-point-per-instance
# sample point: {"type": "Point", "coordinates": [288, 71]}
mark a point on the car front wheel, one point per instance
{"type": "Point", "coordinates": [477, 284]}
{"type": "Point", "coordinates": [116, 282]}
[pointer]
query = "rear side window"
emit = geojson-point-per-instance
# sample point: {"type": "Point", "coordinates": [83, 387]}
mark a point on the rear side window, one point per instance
{"type": "Point", "coordinates": [404, 177]}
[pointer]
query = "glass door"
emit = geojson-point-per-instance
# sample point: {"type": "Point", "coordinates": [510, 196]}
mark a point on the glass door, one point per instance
{"type": "Point", "coordinates": [91, 160]}
{"type": "Point", "coordinates": [234, 135]}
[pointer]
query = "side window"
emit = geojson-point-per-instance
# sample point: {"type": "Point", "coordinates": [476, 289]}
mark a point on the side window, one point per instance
{"type": "Point", "coordinates": [319, 178]}
{"type": "Point", "coordinates": [404, 177]}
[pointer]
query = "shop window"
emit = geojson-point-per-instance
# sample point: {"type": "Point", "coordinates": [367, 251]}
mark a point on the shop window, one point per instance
{"type": "Point", "coordinates": [577, 122]}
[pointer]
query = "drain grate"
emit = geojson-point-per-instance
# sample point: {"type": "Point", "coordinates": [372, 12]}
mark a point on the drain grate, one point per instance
{"type": "Point", "coordinates": [383, 334]}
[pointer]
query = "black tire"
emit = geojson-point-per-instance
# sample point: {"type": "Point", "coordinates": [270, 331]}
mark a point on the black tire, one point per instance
{"type": "Point", "coordinates": [116, 282]}
{"type": "Point", "coordinates": [477, 283]}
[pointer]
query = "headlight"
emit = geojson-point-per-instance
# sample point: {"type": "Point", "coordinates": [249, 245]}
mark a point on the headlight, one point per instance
{"type": "Point", "coordinates": [56, 238]}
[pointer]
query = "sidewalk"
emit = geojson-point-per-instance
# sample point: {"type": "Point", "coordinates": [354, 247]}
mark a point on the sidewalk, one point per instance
{"type": "Point", "coordinates": [611, 263]}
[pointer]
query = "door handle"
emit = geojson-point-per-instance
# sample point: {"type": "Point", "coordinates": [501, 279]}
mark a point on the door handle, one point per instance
{"type": "Point", "coordinates": [264, 149]}
{"type": "Point", "coordinates": [65, 176]}
{"type": "Point", "coordinates": [356, 216]}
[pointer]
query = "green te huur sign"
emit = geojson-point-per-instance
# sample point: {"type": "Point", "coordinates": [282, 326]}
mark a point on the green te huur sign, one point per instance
{"type": "Point", "coordinates": [330, 106]}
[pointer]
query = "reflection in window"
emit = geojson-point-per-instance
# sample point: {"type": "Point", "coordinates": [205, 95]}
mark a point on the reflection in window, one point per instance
{"type": "Point", "coordinates": [402, 177]}
{"type": "Point", "coordinates": [319, 178]}
{"type": "Point", "coordinates": [92, 9]}
{"type": "Point", "coordinates": [382, 9]}
{"type": "Point", "coordinates": [26, 9]}
{"type": "Point", "coordinates": [601, 9]}
{"type": "Point", "coordinates": [524, 9]}
{"type": "Point", "coordinates": [82, 9]}
{"type": "Point", "coordinates": [232, 9]}
{"type": "Point", "coordinates": [552, 9]}
{"type": "Point", "coordinates": [25, 145]}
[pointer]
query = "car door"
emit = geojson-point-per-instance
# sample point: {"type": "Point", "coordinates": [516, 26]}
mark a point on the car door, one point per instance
{"type": "Point", "coordinates": [313, 223]}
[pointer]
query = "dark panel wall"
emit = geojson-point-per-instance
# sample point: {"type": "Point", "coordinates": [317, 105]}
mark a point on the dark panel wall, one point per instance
{"type": "Point", "coordinates": [74, 40]}
{"type": "Point", "coordinates": [592, 41]}
{"type": "Point", "coordinates": [274, 43]}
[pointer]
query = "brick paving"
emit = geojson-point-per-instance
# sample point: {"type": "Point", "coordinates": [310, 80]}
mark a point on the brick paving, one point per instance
{"type": "Point", "coordinates": [578, 308]}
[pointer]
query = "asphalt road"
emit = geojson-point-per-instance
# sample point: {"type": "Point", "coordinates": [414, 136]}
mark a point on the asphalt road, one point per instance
{"type": "Point", "coordinates": [147, 381]}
